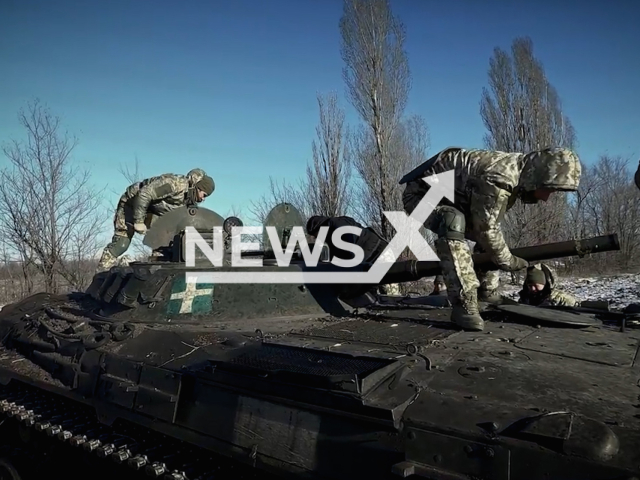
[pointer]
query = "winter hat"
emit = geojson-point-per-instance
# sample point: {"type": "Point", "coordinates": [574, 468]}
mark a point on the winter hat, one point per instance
{"type": "Point", "coordinates": [206, 185]}
{"type": "Point", "coordinates": [535, 276]}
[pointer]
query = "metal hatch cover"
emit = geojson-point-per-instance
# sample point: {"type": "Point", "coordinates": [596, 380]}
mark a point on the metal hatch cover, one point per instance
{"type": "Point", "coordinates": [284, 217]}
{"type": "Point", "coordinates": [164, 229]}
{"type": "Point", "coordinates": [548, 315]}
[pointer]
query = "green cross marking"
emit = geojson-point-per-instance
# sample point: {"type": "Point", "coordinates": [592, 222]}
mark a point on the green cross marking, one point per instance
{"type": "Point", "coordinates": [190, 297]}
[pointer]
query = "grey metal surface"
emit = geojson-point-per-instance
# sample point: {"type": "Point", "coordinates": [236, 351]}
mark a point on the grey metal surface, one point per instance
{"type": "Point", "coordinates": [284, 217]}
{"type": "Point", "coordinates": [167, 226]}
{"type": "Point", "coordinates": [551, 316]}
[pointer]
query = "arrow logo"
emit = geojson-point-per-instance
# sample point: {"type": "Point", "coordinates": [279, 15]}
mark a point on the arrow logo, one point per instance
{"type": "Point", "coordinates": [407, 234]}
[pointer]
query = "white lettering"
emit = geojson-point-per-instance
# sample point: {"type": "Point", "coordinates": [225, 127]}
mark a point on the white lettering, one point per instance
{"type": "Point", "coordinates": [297, 237]}
{"type": "Point", "coordinates": [357, 251]}
{"type": "Point", "coordinates": [238, 246]}
{"type": "Point", "coordinates": [407, 235]}
{"type": "Point", "coordinates": [193, 238]}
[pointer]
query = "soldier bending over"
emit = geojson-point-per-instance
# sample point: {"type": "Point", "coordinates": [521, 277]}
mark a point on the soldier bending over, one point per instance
{"type": "Point", "coordinates": [539, 289]}
{"type": "Point", "coordinates": [487, 184]}
{"type": "Point", "coordinates": [143, 202]}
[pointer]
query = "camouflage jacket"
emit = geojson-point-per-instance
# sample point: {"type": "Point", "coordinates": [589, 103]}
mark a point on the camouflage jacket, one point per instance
{"type": "Point", "coordinates": [551, 295]}
{"type": "Point", "coordinates": [488, 183]}
{"type": "Point", "coordinates": [160, 194]}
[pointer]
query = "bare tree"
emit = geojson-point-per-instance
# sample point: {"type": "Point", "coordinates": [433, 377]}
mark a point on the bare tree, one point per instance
{"type": "Point", "coordinates": [378, 81]}
{"type": "Point", "coordinates": [613, 206]}
{"type": "Point", "coordinates": [50, 214]}
{"type": "Point", "coordinates": [580, 220]}
{"type": "Point", "coordinates": [408, 148]}
{"type": "Point", "coordinates": [523, 112]}
{"type": "Point", "coordinates": [280, 191]}
{"type": "Point", "coordinates": [133, 174]}
{"type": "Point", "coordinates": [328, 175]}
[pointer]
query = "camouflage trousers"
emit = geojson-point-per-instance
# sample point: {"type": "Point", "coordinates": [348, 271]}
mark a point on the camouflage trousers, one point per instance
{"type": "Point", "coordinates": [554, 298]}
{"type": "Point", "coordinates": [122, 235]}
{"type": "Point", "coordinates": [464, 283]}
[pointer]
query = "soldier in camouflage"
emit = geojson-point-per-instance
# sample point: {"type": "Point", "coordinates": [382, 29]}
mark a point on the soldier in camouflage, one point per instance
{"type": "Point", "coordinates": [143, 202]}
{"type": "Point", "coordinates": [487, 184]}
{"type": "Point", "coordinates": [540, 289]}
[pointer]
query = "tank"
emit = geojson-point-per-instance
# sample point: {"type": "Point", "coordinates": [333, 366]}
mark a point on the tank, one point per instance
{"type": "Point", "coordinates": [147, 375]}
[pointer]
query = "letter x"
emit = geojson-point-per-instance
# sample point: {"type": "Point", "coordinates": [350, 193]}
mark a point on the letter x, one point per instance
{"type": "Point", "coordinates": [408, 226]}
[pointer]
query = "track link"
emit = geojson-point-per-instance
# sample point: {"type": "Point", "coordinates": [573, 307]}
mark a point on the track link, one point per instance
{"type": "Point", "coordinates": [133, 451]}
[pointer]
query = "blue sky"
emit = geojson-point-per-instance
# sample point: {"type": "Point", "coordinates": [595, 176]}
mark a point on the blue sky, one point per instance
{"type": "Point", "coordinates": [231, 86]}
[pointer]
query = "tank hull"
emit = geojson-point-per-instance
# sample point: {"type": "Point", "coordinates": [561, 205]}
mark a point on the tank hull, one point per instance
{"type": "Point", "coordinates": [379, 395]}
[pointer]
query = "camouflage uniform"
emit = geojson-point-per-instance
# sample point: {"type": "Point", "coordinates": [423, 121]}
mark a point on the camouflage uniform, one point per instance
{"type": "Point", "coordinates": [550, 295]}
{"type": "Point", "coordinates": [143, 202]}
{"type": "Point", "coordinates": [487, 184]}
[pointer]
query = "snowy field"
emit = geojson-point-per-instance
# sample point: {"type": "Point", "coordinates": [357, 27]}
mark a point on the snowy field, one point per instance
{"type": "Point", "coordinates": [619, 290]}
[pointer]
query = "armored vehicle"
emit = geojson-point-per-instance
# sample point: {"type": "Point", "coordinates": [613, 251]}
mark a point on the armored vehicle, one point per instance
{"type": "Point", "coordinates": [150, 374]}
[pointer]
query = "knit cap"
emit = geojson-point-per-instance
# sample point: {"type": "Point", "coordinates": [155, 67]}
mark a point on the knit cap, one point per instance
{"type": "Point", "coordinates": [206, 185]}
{"type": "Point", "coordinates": [536, 276]}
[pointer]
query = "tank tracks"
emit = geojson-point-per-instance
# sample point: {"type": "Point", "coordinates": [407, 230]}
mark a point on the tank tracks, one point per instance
{"type": "Point", "coordinates": [130, 451]}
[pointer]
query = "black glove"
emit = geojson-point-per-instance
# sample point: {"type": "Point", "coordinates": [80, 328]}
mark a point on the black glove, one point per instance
{"type": "Point", "coordinates": [516, 264]}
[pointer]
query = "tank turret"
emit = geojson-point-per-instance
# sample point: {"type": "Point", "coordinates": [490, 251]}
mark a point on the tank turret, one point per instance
{"type": "Point", "coordinates": [156, 289]}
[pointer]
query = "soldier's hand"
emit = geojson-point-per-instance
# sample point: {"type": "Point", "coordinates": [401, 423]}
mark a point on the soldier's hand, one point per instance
{"type": "Point", "coordinates": [141, 228]}
{"type": "Point", "coordinates": [516, 264]}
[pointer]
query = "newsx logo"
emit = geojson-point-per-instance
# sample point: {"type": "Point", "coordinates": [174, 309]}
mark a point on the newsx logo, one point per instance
{"type": "Point", "coordinates": [407, 235]}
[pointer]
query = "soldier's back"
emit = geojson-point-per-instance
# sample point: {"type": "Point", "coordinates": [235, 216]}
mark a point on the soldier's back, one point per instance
{"type": "Point", "coordinates": [473, 166]}
{"type": "Point", "coordinates": [176, 181]}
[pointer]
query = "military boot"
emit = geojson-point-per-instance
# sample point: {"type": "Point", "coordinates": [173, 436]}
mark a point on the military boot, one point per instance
{"type": "Point", "coordinates": [489, 296]}
{"type": "Point", "coordinates": [486, 298]}
{"type": "Point", "coordinates": [465, 313]}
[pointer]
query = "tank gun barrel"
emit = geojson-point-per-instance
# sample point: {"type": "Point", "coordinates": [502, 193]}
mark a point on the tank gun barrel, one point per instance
{"type": "Point", "coordinates": [410, 270]}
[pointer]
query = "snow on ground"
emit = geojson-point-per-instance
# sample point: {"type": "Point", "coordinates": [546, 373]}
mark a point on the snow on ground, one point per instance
{"type": "Point", "coordinates": [619, 290]}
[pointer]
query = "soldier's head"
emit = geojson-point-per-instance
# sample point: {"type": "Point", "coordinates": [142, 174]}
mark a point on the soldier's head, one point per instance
{"type": "Point", "coordinates": [536, 279]}
{"type": "Point", "coordinates": [204, 187]}
{"type": "Point", "coordinates": [547, 171]}
{"type": "Point", "coordinates": [438, 284]}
